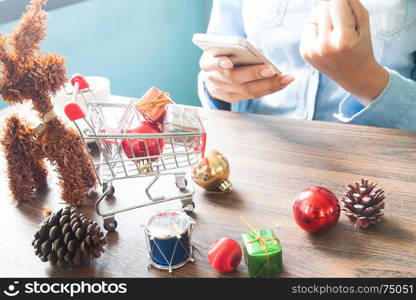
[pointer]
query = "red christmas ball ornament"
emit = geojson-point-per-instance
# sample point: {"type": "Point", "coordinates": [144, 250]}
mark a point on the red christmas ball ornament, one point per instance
{"type": "Point", "coordinates": [224, 255]}
{"type": "Point", "coordinates": [316, 209]}
{"type": "Point", "coordinates": [139, 145]}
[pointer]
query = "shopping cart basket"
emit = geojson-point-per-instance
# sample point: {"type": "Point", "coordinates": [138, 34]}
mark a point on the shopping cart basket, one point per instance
{"type": "Point", "coordinates": [107, 124]}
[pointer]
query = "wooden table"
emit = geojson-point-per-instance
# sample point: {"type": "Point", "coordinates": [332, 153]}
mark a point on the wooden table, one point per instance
{"type": "Point", "coordinates": [272, 159]}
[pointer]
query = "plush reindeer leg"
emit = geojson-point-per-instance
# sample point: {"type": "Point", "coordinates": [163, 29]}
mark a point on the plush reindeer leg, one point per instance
{"type": "Point", "coordinates": [25, 167]}
{"type": "Point", "coordinates": [39, 174]}
{"type": "Point", "coordinates": [64, 147]}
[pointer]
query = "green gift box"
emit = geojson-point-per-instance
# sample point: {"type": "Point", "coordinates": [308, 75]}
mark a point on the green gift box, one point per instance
{"type": "Point", "coordinates": [262, 253]}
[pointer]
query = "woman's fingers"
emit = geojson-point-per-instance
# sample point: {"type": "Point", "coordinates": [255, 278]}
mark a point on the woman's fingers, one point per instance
{"type": "Point", "coordinates": [245, 74]}
{"type": "Point", "coordinates": [226, 82]}
{"type": "Point", "coordinates": [344, 24]}
{"type": "Point", "coordinates": [324, 19]}
{"type": "Point", "coordinates": [249, 90]}
{"type": "Point", "coordinates": [211, 63]}
{"type": "Point", "coordinates": [325, 28]}
{"type": "Point", "coordinates": [259, 88]}
{"type": "Point", "coordinates": [309, 34]}
{"type": "Point", "coordinates": [219, 91]}
{"type": "Point", "coordinates": [342, 15]}
{"type": "Point", "coordinates": [360, 14]}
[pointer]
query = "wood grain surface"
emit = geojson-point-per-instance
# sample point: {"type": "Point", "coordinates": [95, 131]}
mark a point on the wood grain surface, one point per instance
{"type": "Point", "coordinates": [271, 159]}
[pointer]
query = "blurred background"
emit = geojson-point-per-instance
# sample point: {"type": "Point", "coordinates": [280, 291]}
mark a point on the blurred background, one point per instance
{"type": "Point", "coordinates": [136, 44]}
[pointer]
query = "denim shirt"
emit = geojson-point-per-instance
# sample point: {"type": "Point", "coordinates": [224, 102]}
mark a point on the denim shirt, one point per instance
{"type": "Point", "coordinates": [275, 26]}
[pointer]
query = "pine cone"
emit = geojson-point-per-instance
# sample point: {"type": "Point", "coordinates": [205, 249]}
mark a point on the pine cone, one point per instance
{"type": "Point", "coordinates": [68, 237]}
{"type": "Point", "coordinates": [363, 203]}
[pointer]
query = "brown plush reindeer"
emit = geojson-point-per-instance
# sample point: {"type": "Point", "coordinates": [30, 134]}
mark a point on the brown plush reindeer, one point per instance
{"type": "Point", "coordinates": [26, 74]}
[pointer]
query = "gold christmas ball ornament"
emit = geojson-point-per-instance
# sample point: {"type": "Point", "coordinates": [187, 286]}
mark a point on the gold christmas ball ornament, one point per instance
{"type": "Point", "coordinates": [212, 173]}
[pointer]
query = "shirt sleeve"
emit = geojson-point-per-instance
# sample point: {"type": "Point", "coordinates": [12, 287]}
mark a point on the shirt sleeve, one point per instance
{"type": "Point", "coordinates": [226, 19]}
{"type": "Point", "coordinates": [395, 107]}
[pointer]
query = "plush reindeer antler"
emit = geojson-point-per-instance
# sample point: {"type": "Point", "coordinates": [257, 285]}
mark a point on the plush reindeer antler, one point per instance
{"type": "Point", "coordinates": [30, 32]}
{"type": "Point", "coordinates": [28, 74]}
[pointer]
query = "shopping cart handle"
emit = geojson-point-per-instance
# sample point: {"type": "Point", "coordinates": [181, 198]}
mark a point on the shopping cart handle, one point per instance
{"type": "Point", "coordinates": [82, 82]}
{"type": "Point", "coordinates": [73, 111]}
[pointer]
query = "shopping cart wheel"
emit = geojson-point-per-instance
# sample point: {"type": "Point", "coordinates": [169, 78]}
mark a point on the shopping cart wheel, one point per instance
{"type": "Point", "coordinates": [188, 205]}
{"type": "Point", "coordinates": [110, 224]}
{"type": "Point", "coordinates": [110, 192]}
{"type": "Point", "coordinates": [181, 181]}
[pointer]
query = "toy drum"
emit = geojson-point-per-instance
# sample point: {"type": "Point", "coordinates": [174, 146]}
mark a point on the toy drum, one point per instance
{"type": "Point", "coordinates": [168, 236]}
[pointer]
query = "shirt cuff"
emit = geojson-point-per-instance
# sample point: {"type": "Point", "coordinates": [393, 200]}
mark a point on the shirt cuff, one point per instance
{"type": "Point", "coordinates": [206, 100]}
{"type": "Point", "coordinates": [395, 107]}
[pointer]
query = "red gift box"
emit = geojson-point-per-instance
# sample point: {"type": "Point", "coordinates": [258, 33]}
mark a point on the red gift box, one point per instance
{"type": "Point", "coordinates": [153, 105]}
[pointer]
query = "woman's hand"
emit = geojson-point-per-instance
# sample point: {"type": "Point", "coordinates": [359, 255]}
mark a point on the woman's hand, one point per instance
{"type": "Point", "coordinates": [336, 40]}
{"type": "Point", "coordinates": [233, 84]}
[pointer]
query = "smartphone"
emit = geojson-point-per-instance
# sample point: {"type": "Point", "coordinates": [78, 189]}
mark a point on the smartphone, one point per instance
{"type": "Point", "coordinates": [239, 50]}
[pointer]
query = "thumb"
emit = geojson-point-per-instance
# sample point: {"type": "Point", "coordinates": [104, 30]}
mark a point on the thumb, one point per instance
{"type": "Point", "coordinates": [286, 79]}
{"type": "Point", "coordinates": [211, 63]}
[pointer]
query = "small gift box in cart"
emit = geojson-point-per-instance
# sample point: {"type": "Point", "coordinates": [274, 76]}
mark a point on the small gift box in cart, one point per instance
{"type": "Point", "coordinates": [181, 119]}
{"type": "Point", "coordinates": [128, 153]}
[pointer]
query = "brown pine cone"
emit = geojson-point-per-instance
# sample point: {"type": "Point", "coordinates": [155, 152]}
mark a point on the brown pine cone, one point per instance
{"type": "Point", "coordinates": [68, 237]}
{"type": "Point", "coordinates": [363, 203]}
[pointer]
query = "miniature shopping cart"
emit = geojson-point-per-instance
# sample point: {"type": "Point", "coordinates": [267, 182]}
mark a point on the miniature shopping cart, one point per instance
{"type": "Point", "coordinates": [107, 124]}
